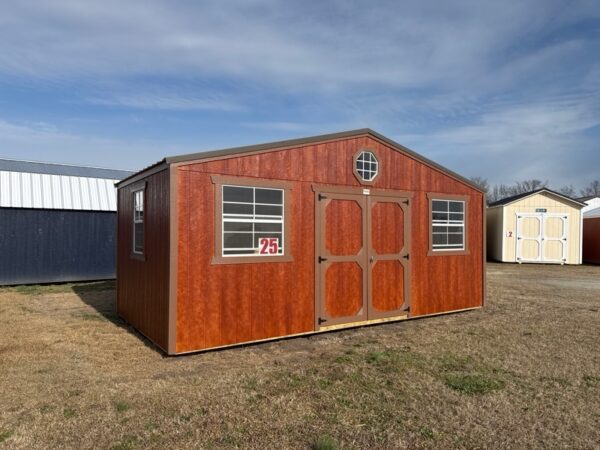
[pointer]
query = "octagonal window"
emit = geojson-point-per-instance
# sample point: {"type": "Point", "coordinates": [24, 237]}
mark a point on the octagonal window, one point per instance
{"type": "Point", "coordinates": [367, 166]}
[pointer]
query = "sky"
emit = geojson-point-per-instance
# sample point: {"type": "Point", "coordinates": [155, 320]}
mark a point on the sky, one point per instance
{"type": "Point", "coordinates": [503, 90]}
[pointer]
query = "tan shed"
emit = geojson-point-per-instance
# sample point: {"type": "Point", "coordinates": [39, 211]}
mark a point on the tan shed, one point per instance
{"type": "Point", "coordinates": [541, 226]}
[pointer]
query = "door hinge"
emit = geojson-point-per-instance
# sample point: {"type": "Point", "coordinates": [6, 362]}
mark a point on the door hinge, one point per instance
{"type": "Point", "coordinates": [407, 309]}
{"type": "Point", "coordinates": [407, 256]}
{"type": "Point", "coordinates": [321, 320]}
{"type": "Point", "coordinates": [321, 259]}
{"type": "Point", "coordinates": [321, 196]}
{"type": "Point", "coordinates": [405, 202]}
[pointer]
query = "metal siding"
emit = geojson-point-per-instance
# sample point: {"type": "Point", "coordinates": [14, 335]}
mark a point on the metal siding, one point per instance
{"type": "Point", "coordinates": [44, 246]}
{"type": "Point", "coordinates": [37, 190]}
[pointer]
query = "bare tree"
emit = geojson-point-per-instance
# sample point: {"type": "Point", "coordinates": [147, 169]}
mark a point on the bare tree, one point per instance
{"type": "Point", "coordinates": [568, 190]}
{"type": "Point", "coordinates": [481, 182]}
{"type": "Point", "coordinates": [592, 189]}
{"type": "Point", "coordinates": [529, 185]}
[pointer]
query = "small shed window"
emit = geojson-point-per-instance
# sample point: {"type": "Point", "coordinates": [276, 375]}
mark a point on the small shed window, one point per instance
{"type": "Point", "coordinates": [367, 166]}
{"type": "Point", "coordinates": [252, 221]}
{"type": "Point", "coordinates": [138, 222]}
{"type": "Point", "coordinates": [447, 224]}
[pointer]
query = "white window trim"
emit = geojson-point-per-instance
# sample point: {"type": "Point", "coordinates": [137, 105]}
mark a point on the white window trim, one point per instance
{"type": "Point", "coordinates": [448, 223]}
{"type": "Point", "coordinates": [361, 172]}
{"type": "Point", "coordinates": [251, 218]}
{"type": "Point", "coordinates": [136, 221]}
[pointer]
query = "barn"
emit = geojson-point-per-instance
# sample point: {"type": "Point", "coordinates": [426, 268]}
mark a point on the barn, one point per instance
{"type": "Point", "coordinates": [591, 236]}
{"type": "Point", "coordinates": [57, 222]}
{"type": "Point", "coordinates": [541, 226]}
{"type": "Point", "coordinates": [295, 237]}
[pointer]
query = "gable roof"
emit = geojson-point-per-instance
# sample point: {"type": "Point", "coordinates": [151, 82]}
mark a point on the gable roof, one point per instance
{"type": "Point", "coordinates": [291, 143]}
{"type": "Point", "coordinates": [514, 198]}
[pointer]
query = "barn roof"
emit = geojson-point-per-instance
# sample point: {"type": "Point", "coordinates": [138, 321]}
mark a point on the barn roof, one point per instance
{"type": "Point", "coordinates": [514, 198]}
{"type": "Point", "coordinates": [38, 185]}
{"type": "Point", "coordinates": [281, 145]}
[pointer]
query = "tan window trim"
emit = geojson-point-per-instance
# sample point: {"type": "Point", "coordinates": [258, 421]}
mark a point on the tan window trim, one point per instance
{"type": "Point", "coordinates": [355, 171]}
{"type": "Point", "coordinates": [439, 196]}
{"type": "Point", "coordinates": [286, 186]}
{"type": "Point", "coordinates": [133, 188]}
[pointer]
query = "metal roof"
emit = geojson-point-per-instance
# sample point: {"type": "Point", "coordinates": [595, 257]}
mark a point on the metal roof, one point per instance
{"type": "Point", "coordinates": [592, 213]}
{"type": "Point", "coordinates": [26, 184]}
{"type": "Point", "coordinates": [514, 198]}
{"type": "Point", "coordinates": [281, 145]}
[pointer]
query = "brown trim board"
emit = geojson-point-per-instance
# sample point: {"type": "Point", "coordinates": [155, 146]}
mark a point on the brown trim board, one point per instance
{"type": "Point", "coordinates": [173, 259]}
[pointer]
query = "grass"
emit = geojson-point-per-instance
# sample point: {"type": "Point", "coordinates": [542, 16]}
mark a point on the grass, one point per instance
{"type": "Point", "coordinates": [61, 288]}
{"type": "Point", "coordinates": [70, 374]}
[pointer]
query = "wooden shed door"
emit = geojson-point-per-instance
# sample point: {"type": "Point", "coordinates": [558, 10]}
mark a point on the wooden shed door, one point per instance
{"type": "Point", "coordinates": [362, 258]}
{"type": "Point", "coordinates": [389, 224]}
{"type": "Point", "coordinates": [342, 258]}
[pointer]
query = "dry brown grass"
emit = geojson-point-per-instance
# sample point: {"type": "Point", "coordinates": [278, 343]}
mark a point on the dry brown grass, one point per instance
{"type": "Point", "coordinates": [524, 372]}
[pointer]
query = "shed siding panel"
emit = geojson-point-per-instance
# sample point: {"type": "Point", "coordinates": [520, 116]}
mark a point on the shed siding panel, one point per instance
{"type": "Point", "coordinates": [143, 286]}
{"type": "Point", "coordinates": [224, 304]}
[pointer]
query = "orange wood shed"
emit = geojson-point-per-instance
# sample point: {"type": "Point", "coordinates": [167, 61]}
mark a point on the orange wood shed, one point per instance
{"type": "Point", "coordinates": [295, 237]}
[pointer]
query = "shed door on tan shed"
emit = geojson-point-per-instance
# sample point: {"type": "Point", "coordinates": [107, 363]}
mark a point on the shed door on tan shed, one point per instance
{"type": "Point", "coordinates": [542, 237]}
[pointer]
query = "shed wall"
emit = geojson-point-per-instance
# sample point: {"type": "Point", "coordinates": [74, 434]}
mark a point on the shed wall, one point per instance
{"type": "Point", "coordinates": [226, 304]}
{"type": "Point", "coordinates": [143, 285]}
{"type": "Point", "coordinates": [494, 234]}
{"type": "Point", "coordinates": [51, 246]}
{"type": "Point", "coordinates": [528, 205]}
{"type": "Point", "coordinates": [591, 240]}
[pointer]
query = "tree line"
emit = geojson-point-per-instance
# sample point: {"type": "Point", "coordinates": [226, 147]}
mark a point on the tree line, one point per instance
{"type": "Point", "coordinates": [500, 191]}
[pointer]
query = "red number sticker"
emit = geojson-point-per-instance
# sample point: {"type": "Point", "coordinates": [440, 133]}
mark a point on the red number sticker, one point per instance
{"type": "Point", "coordinates": [268, 246]}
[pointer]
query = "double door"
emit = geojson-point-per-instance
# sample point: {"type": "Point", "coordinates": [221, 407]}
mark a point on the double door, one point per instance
{"type": "Point", "coordinates": [363, 260]}
{"type": "Point", "coordinates": [542, 237]}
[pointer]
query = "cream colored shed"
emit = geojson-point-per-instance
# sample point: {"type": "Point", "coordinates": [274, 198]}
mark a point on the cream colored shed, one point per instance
{"type": "Point", "coordinates": [541, 226]}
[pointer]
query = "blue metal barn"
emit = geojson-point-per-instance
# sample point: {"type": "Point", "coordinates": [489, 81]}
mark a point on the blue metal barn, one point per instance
{"type": "Point", "coordinates": [57, 222]}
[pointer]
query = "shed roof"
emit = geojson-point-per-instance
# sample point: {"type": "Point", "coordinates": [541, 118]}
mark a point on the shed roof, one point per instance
{"type": "Point", "coordinates": [592, 213]}
{"type": "Point", "coordinates": [37, 185]}
{"type": "Point", "coordinates": [281, 145]}
{"type": "Point", "coordinates": [514, 198]}
{"type": "Point", "coordinates": [588, 198]}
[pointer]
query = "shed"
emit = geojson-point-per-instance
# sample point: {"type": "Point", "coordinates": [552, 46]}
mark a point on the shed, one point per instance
{"type": "Point", "coordinates": [295, 237]}
{"type": "Point", "coordinates": [591, 236]}
{"type": "Point", "coordinates": [57, 222]}
{"type": "Point", "coordinates": [540, 226]}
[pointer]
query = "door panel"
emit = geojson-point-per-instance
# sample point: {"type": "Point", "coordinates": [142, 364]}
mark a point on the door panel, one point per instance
{"type": "Point", "coordinates": [387, 288]}
{"type": "Point", "coordinates": [343, 215]}
{"type": "Point", "coordinates": [344, 290]}
{"type": "Point", "coordinates": [529, 237]}
{"type": "Point", "coordinates": [388, 256]}
{"type": "Point", "coordinates": [342, 270]}
{"type": "Point", "coordinates": [554, 231]}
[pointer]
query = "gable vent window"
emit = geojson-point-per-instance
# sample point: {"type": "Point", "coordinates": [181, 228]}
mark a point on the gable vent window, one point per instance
{"type": "Point", "coordinates": [367, 166]}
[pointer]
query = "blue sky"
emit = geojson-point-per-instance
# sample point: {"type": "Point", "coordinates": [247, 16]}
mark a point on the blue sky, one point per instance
{"type": "Point", "coordinates": [504, 90]}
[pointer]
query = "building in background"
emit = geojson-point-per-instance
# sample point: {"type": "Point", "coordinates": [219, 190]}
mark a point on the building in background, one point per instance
{"type": "Point", "coordinates": [591, 202]}
{"type": "Point", "coordinates": [541, 226]}
{"type": "Point", "coordinates": [591, 236]}
{"type": "Point", "coordinates": [57, 222]}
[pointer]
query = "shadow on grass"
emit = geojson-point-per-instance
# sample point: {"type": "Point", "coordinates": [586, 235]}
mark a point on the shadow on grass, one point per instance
{"type": "Point", "coordinates": [102, 297]}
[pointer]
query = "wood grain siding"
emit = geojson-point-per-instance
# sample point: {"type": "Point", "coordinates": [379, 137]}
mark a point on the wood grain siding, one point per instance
{"type": "Point", "coordinates": [143, 283]}
{"type": "Point", "coordinates": [221, 304]}
{"type": "Point", "coordinates": [591, 240]}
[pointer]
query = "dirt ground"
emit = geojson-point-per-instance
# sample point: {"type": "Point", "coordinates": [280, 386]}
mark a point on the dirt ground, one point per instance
{"type": "Point", "coordinates": [523, 372]}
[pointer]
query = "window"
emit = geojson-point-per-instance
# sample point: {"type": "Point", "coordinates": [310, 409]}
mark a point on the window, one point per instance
{"type": "Point", "coordinates": [138, 222]}
{"type": "Point", "coordinates": [252, 221]}
{"type": "Point", "coordinates": [447, 225]}
{"type": "Point", "coordinates": [366, 166]}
